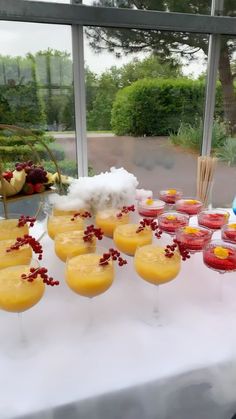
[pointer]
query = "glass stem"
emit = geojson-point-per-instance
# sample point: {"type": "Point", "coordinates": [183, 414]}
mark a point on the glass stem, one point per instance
{"type": "Point", "coordinates": [22, 336]}
{"type": "Point", "coordinates": [156, 312]}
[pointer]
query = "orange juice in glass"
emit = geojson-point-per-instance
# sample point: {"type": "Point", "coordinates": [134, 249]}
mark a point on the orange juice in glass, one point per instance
{"type": "Point", "coordinates": [153, 266]}
{"type": "Point", "coordinates": [127, 239]}
{"type": "Point", "coordinates": [9, 228]}
{"type": "Point", "coordinates": [15, 257]}
{"type": "Point", "coordinates": [108, 220]}
{"type": "Point", "coordinates": [17, 294]}
{"type": "Point", "coordinates": [62, 223]}
{"type": "Point", "coordinates": [85, 275]}
{"type": "Point", "coordinates": [71, 243]}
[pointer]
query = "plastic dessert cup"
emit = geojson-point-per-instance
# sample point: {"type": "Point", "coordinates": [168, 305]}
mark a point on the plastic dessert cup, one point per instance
{"type": "Point", "coordinates": [10, 230]}
{"type": "Point", "coordinates": [21, 256]}
{"type": "Point", "coordinates": [86, 277]}
{"type": "Point", "coordinates": [169, 222]}
{"type": "Point", "coordinates": [170, 196]}
{"type": "Point", "coordinates": [213, 219]}
{"type": "Point", "coordinates": [193, 238]}
{"type": "Point", "coordinates": [228, 233]}
{"type": "Point", "coordinates": [220, 256]}
{"type": "Point", "coordinates": [127, 239]}
{"type": "Point", "coordinates": [60, 224]}
{"type": "Point", "coordinates": [17, 294]}
{"type": "Point", "coordinates": [108, 220]}
{"type": "Point", "coordinates": [150, 208]}
{"type": "Point", "coordinates": [153, 266]}
{"type": "Point", "coordinates": [71, 243]}
{"type": "Point", "coordinates": [188, 206]}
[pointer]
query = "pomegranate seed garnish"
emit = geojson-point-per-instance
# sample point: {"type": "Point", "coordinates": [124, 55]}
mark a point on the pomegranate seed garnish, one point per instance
{"type": "Point", "coordinates": [146, 222]}
{"type": "Point", "coordinates": [24, 219]}
{"type": "Point", "coordinates": [114, 255]}
{"type": "Point", "coordinates": [170, 250]}
{"type": "Point", "coordinates": [34, 272]}
{"type": "Point", "coordinates": [22, 241]}
{"type": "Point", "coordinates": [84, 214]}
{"type": "Point", "coordinates": [125, 210]}
{"type": "Point", "coordinates": [92, 232]}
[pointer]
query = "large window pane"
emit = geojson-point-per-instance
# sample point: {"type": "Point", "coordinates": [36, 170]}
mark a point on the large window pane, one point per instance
{"type": "Point", "coordinates": [181, 6]}
{"type": "Point", "coordinates": [147, 89]}
{"type": "Point", "coordinates": [224, 141]}
{"type": "Point", "coordinates": [36, 92]}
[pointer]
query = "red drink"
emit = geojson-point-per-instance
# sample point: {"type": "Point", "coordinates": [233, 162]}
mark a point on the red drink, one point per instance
{"type": "Point", "coordinates": [151, 208]}
{"type": "Point", "coordinates": [193, 238]}
{"type": "Point", "coordinates": [171, 221]}
{"type": "Point", "coordinates": [170, 196]}
{"type": "Point", "coordinates": [220, 256]}
{"type": "Point", "coordinates": [213, 219]}
{"type": "Point", "coordinates": [228, 233]}
{"type": "Point", "coordinates": [189, 206]}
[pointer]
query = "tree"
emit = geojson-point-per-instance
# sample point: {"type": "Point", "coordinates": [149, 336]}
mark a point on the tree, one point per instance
{"type": "Point", "coordinates": [167, 44]}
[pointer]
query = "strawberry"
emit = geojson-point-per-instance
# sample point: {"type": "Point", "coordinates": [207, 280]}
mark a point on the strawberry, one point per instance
{"type": "Point", "coordinates": [28, 188]}
{"type": "Point", "coordinates": [39, 187]}
{"type": "Point", "coordinates": [8, 175]}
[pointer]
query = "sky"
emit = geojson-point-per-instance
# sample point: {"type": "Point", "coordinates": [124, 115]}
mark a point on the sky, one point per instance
{"type": "Point", "coordinates": [19, 38]}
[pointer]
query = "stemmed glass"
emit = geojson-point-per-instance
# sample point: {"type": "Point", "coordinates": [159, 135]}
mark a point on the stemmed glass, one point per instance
{"type": "Point", "coordinates": [193, 238]}
{"type": "Point", "coordinates": [220, 257]}
{"type": "Point", "coordinates": [87, 276]}
{"type": "Point", "coordinates": [152, 265]}
{"type": "Point", "coordinates": [169, 222]}
{"type": "Point", "coordinates": [213, 219]}
{"type": "Point", "coordinates": [170, 196]}
{"type": "Point", "coordinates": [190, 206]}
{"type": "Point", "coordinates": [18, 294]}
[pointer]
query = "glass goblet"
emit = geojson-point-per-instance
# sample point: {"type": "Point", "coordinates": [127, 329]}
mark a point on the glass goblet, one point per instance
{"type": "Point", "coordinates": [19, 294]}
{"type": "Point", "coordinates": [127, 239]}
{"type": "Point", "coordinates": [169, 222]}
{"type": "Point", "coordinates": [170, 196]}
{"type": "Point", "coordinates": [193, 238]}
{"type": "Point", "coordinates": [228, 233]}
{"type": "Point", "coordinates": [150, 208]}
{"type": "Point", "coordinates": [153, 266]}
{"type": "Point", "coordinates": [71, 243]}
{"type": "Point", "coordinates": [213, 219]}
{"type": "Point", "coordinates": [108, 219]}
{"type": "Point", "coordinates": [9, 228]}
{"type": "Point", "coordinates": [190, 206]}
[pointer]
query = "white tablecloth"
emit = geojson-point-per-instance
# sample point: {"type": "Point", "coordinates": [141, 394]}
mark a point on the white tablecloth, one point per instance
{"type": "Point", "coordinates": [100, 359]}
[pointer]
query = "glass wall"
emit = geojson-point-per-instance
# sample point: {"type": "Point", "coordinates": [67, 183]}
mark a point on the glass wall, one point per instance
{"type": "Point", "coordinates": [36, 93]}
{"type": "Point", "coordinates": [145, 103]}
{"type": "Point", "coordinates": [224, 141]}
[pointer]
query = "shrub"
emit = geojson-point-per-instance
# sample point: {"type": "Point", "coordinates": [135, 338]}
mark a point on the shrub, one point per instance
{"type": "Point", "coordinates": [190, 136]}
{"type": "Point", "coordinates": [228, 151]}
{"type": "Point", "coordinates": [67, 167]}
{"type": "Point", "coordinates": [159, 106]}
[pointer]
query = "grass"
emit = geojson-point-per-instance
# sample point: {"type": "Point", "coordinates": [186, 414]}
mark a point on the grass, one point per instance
{"type": "Point", "coordinates": [72, 132]}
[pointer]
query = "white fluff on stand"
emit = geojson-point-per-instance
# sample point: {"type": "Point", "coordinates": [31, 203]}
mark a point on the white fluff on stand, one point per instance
{"type": "Point", "coordinates": [115, 188]}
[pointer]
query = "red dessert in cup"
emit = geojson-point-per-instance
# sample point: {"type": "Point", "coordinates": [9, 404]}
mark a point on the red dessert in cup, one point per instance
{"type": "Point", "coordinates": [150, 208]}
{"type": "Point", "coordinates": [220, 256]}
{"type": "Point", "coordinates": [213, 219]}
{"type": "Point", "coordinates": [228, 233]}
{"type": "Point", "coordinates": [189, 206]}
{"type": "Point", "coordinates": [169, 222]}
{"type": "Point", "coordinates": [170, 196]}
{"type": "Point", "coordinates": [193, 238]}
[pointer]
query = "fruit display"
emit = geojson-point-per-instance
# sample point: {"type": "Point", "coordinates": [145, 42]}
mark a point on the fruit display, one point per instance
{"type": "Point", "coordinates": [28, 178]}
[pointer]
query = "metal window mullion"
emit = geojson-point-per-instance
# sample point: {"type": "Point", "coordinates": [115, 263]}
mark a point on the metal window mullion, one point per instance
{"type": "Point", "coordinates": [80, 99]}
{"type": "Point", "coordinates": [212, 68]}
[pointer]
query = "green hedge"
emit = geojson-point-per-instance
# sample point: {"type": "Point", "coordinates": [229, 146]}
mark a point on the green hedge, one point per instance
{"type": "Point", "coordinates": [157, 107]}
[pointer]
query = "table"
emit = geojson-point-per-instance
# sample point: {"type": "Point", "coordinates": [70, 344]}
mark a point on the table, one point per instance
{"type": "Point", "coordinates": [99, 359]}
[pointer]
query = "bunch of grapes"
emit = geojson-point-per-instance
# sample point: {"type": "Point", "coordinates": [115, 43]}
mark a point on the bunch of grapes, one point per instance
{"type": "Point", "coordinates": [34, 174]}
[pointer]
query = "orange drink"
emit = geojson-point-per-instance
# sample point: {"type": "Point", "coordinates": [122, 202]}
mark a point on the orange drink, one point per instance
{"type": "Point", "coordinates": [15, 257]}
{"type": "Point", "coordinates": [153, 266]}
{"type": "Point", "coordinates": [71, 243]}
{"type": "Point", "coordinates": [60, 224]}
{"type": "Point", "coordinates": [9, 229]}
{"type": "Point", "coordinates": [127, 239]}
{"type": "Point", "coordinates": [17, 294]}
{"type": "Point", "coordinates": [108, 220]}
{"type": "Point", "coordinates": [86, 277]}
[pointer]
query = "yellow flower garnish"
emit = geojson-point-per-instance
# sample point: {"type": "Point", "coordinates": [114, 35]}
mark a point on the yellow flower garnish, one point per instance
{"type": "Point", "coordinates": [171, 191]}
{"type": "Point", "coordinates": [171, 217]}
{"type": "Point", "coordinates": [232, 226]}
{"type": "Point", "coordinates": [191, 201]}
{"type": "Point", "coordinates": [221, 252]}
{"type": "Point", "coordinates": [191, 230]}
{"type": "Point", "coordinates": [149, 201]}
